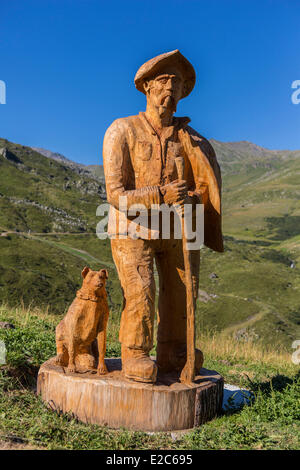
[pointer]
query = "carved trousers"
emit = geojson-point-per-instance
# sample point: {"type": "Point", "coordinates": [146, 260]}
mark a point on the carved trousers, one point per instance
{"type": "Point", "coordinates": [134, 260]}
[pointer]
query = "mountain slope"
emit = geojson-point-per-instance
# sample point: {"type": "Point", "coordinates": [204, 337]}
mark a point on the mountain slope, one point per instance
{"type": "Point", "coordinates": [91, 171]}
{"type": "Point", "coordinates": [251, 290]}
{"type": "Point", "coordinates": [43, 195]}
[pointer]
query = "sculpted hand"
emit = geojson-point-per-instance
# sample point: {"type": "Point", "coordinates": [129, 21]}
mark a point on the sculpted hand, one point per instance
{"type": "Point", "coordinates": [174, 192]}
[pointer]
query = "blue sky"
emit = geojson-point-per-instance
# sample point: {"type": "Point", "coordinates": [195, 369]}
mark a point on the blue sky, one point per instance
{"type": "Point", "coordinates": [69, 66]}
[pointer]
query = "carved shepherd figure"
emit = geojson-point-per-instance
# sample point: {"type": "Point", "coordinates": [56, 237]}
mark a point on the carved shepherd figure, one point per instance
{"type": "Point", "coordinates": [139, 155]}
{"type": "Point", "coordinates": [85, 322]}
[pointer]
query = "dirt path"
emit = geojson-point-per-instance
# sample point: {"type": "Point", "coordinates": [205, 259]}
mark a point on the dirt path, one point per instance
{"type": "Point", "coordinates": [82, 254]}
{"type": "Point", "coordinates": [45, 234]}
{"type": "Point", "coordinates": [263, 310]}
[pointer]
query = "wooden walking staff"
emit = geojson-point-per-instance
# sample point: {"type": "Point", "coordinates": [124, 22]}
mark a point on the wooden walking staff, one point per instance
{"type": "Point", "coordinates": [188, 372]}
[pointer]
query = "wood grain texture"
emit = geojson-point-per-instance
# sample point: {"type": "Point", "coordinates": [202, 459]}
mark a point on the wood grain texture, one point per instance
{"type": "Point", "coordinates": [84, 325]}
{"type": "Point", "coordinates": [188, 372]}
{"type": "Point", "coordinates": [115, 401]}
{"type": "Point", "coordinates": [153, 163]}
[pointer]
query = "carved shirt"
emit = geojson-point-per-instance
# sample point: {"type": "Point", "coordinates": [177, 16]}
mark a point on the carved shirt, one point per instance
{"type": "Point", "coordinates": [137, 161]}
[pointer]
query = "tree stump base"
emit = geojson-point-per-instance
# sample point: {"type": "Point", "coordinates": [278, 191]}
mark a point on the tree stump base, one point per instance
{"type": "Point", "coordinates": [114, 401]}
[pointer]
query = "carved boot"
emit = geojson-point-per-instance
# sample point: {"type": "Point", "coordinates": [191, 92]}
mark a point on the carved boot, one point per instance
{"type": "Point", "coordinates": [171, 357]}
{"type": "Point", "coordinates": [137, 365]}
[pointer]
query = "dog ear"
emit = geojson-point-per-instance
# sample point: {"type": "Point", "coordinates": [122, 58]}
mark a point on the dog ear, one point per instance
{"type": "Point", "coordinates": [84, 271]}
{"type": "Point", "coordinates": [105, 272]}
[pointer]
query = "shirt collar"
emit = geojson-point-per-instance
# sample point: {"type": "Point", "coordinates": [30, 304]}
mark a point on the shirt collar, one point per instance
{"type": "Point", "coordinates": [178, 123]}
{"type": "Point", "coordinates": [147, 123]}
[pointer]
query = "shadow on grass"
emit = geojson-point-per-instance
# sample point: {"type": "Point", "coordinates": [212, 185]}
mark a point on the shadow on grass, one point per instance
{"type": "Point", "coordinates": [19, 376]}
{"type": "Point", "coordinates": [235, 400]}
{"type": "Point", "coordinates": [278, 383]}
{"type": "Point", "coordinates": [283, 227]}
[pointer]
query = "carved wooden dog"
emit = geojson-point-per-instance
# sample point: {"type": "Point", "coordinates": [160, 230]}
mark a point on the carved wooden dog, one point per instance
{"type": "Point", "coordinates": [85, 322]}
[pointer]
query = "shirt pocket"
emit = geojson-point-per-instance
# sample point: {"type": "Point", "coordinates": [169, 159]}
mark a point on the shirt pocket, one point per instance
{"type": "Point", "coordinates": [143, 150]}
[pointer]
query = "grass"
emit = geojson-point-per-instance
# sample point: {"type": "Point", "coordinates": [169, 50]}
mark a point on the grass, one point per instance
{"type": "Point", "coordinates": [270, 422]}
{"type": "Point", "coordinates": [45, 272]}
{"type": "Point", "coordinates": [255, 289]}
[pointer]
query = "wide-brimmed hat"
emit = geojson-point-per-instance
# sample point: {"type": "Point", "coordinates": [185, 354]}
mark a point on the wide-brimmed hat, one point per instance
{"type": "Point", "coordinates": [158, 63]}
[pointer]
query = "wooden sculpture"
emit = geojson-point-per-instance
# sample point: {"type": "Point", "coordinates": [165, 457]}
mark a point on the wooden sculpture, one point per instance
{"type": "Point", "coordinates": [139, 392]}
{"type": "Point", "coordinates": [139, 154]}
{"type": "Point", "coordinates": [85, 322]}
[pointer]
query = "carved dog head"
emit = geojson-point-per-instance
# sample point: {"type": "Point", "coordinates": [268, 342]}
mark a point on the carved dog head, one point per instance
{"type": "Point", "coordinates": [94, 281]}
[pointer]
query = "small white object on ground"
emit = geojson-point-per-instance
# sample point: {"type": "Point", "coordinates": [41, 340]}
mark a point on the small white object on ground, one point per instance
{"type": "Point", "coordinates": [235, 396]}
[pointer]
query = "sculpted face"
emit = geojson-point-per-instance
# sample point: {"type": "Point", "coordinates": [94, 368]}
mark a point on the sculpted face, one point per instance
{"type": "Point", "coordinates": [165, 90]}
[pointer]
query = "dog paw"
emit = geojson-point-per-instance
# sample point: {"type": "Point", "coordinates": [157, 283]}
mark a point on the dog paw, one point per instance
{"type": "Point", "coordinates": [59, 360]}
{"type": "Point", "coordinates": [102, 370]}
{"type": "Point", "coordinates": [71, 369]}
